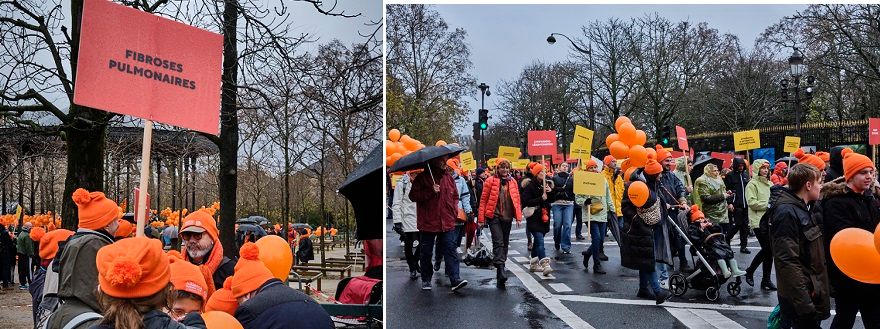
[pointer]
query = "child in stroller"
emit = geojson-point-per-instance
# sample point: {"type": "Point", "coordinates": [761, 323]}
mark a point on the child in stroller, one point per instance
{"type": "Point", "coordinates": [710, 240]}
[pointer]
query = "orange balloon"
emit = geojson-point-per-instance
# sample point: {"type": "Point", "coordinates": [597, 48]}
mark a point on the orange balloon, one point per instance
{"type": "Point", "coordinates": [638, 156]}
{"type": "Point", "coordinates": [395, 157]}
{"type": "Point", "coordinates": [220, 320]}
{"type": "Point", "coordinates": [853, 251]}
{"type": "Point", "coordinates": [627, 134]}
{"type": "Point", "coordinates": [611, 139]}
{"type": "Point", "coordinates": [652, 154]}
{"type": "Point", "coordinates": [620, 121]}
{"type": "Point", "coordinates": [877, 238]}
{"type": "Point", "coordinates": [619, 150]}
{"type": "Point", "coordinates": [440, 143]}
{"type": "Point", "coordinates": [389, 161]}
{"type": "Point", "coordinates": [628, 173]}
{"type": "Point", "coordinates": [394, 135]}
{"type": "Point", "coordinates": [638, 193]}
{"type": "Point", "coordinates": [641, 138]}
{"type": "Point", "coordinates": [276, 255]}
{"type": "Point", "coordinates": [624, 165]}
{"type": "Point", "coordinates": [390, 147]}
{"type": "Point", "coordinates": [412, 145]}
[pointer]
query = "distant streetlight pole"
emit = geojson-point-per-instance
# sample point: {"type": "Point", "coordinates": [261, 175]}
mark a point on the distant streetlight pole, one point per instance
{"type": "Point", "coordinates": [484, 91]}
{"type": "Point", "coordinates": [589, 52]}
{"type": "Point", "coordinates": [797, 70]}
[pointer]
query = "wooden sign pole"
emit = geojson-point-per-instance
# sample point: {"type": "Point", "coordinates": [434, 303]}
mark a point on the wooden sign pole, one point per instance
{"type": "Point", "coordinates": [141, 211]}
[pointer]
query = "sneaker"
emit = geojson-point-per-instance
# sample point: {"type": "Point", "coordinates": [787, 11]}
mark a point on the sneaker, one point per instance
{"type": "Point", "coordinates": [566, 252]}
{"type": "Point", "coordinates": [662, 296]}
{"type": "Point", "coordinates": [580, 237]}
{"type": "Point", "coordinates": [645, 294]}
{"type": "Point", "coordinates": [744, 251]}
{"type": "Point", "coordinates": [458, 285]}
{"type": "Point", "coordinates": [426, 285]}
{"type": "Point", "coordinates": [23, 287]}
{"type": "Point", "coordinates": [413, 275]}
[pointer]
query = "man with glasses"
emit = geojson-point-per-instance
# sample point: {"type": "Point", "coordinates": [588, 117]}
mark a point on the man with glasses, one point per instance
{"type": "Point", "coordinates": [201, 246]}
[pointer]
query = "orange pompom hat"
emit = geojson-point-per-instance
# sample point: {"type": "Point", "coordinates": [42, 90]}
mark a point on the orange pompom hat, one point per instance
{"type": "Point", "coordinates": [607, 160]}
{"type": "Point", "coordinates": [696, 213]}
{"type": "Point", "coordinates": [536, 169]}
{"type": "Point", "coordinates": [37, 233]}
{"type": "Point", "coordinates": [825, 156]}
{"type": "Point", "coordinates": [133, 268]}
{"type": "Point", "coordinates": [95, 210]}
{"type": "Point", "coordinates": [809, 159]}
{"type": "Point", "coordinates": [49, 242]}
{"type": "Point", "coordinates": [854, 162]}
{"type": "Point", "coordinates": [124, 230]}
{"type": "Point", "coordinates": [222, 299]}
{"type": "Point", "coordinates": [186, 276]}
{"type": "Point", "coordinates": [250, 272]}
{"type": "Point", "coordinates": [662, 153]}
{"type": "Point", "coordinates": [652, 167]}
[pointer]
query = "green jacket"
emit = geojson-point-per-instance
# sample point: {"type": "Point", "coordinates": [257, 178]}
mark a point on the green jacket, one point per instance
{"type": "Point", "coordinates": [24, 244]}
{"type": "Point", "coordinates": [600, 204]}
{"type": "Point", "coordinates": [712, 198]}
{"type": "Point", "coordinates": [757, 193]}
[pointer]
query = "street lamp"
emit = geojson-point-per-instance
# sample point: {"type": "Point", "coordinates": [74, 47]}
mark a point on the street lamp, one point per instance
{"type": "Point", "coordinates": [589, 52]}
{"type": "Point", "coordinates": [483, 122]}
{"type": "Point", "coordinates": [794, 87]}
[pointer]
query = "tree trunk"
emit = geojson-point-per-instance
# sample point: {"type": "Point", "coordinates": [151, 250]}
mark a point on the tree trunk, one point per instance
{"type": "Point", "coordinates": [85, 161]}
{"type": "Point", "coordinates": [228, 173]}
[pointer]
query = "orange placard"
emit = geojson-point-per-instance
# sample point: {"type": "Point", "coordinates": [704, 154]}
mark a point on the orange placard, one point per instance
{"type": "Point", "coordinates": [135, 63]}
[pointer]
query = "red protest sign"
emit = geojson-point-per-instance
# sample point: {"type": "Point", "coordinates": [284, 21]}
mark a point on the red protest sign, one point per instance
{"type": "Point", "coordinates": [727, 157]}
{"type": "Point", "coordinates": [874, 131]}
{"type": "Point", "coordinates": [681, 135]}
{"type": "Point", "coordinates": [135, 63]}
{"type": "Point", "coordinates": [557, 158]}
{"type": "Point", "coordinates": [542, 142]}
{"type": "Point", "coordinates": [676, 154]}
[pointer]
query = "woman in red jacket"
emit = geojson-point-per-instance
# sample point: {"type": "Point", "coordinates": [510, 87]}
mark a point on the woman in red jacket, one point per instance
{"type": "Point", "coordinates": [499, 206]}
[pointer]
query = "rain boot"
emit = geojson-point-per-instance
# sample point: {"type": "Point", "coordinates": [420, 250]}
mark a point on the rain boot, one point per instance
{"type": "Point", "coordinates": [602, 256]}
{"type": "Point", "coordinates": [766, 284]}
{"type": "Point", "coordinates": [723, 266]}
{"type": "Point", "coordinates": [533, 265]}
{"type": "Point", "coordinates": [734, 269]}
{"type": "Point", "coordinates": [597, 266]}
{"type": "Point", "coordinates": [501, 278]}
{"type": "Point", "coordinates": [587, 255]}
{"type": "Point", "coordinates": [545, 263]}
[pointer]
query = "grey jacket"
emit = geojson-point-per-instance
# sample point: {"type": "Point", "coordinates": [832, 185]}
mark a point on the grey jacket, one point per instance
{"type": "Point", "coordinates": [78, 276]}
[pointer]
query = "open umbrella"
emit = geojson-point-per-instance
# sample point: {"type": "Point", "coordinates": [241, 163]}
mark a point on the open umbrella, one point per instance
{"type": "Point", "coordinates": [419, 159]}
{"type": "Point", "coordinates": [302, 225]}
{"type": "Point", "coordinates": [363, 189]}
{"type": "Point", "coordinates": [788, 160]}
{"type": "Point", "coordinates": [701, 163]}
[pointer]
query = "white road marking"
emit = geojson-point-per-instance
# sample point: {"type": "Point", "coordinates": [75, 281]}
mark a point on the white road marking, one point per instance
{"type": "Point", "coordinates": [519, 259]}
{"type": "Point", "coordinates": [688, 319]}
{"type": "Point", "coordinates": [560, 287]}
{"type": "Point", "coordinates": [512, 252]}
{"type": "Point", "coordinates": [717, 307]}
{"type": "Point", "coordinates": [716, 319]}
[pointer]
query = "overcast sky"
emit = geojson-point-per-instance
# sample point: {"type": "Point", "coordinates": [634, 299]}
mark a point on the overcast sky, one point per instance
{"type": "Point", "coordinates": [506, 38]}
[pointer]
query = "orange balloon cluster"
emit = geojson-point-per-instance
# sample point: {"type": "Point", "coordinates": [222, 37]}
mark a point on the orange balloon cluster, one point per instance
{"type": "Point", "coordinates": [398, 146]}
{"type": "Point", "coordinates": [628, 142]}
{"type": "Point", "coordinates": [856, 252]}
{"type": "Point", "coordinates": [48, 220]}
{"type": "Point", "coordinates": [172, 217]}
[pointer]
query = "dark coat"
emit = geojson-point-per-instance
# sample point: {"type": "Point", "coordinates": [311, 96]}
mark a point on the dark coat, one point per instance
{"type": "Point", "coordinates": [531, 197]}
{"type": "Point", "coordinates": [736, 181]}
{"type": "Point", "coordinates": [224, 271]}
{"type": "Point", "coordinates": [305, 253]}
{"type": "Point", "coordinates": [842, 208]}
{"type": "Point", "coordinates": [710, 242]}
{"type": "Point", "coordinates": [78, 275]}
{"type": "Point", "coordinates": [835, 168]}
{"type": "Point", "coordinates": [7, 255]}
{"type": "Point", "coordinates": [278, 306]}
{"type": "Point", "coordinates": [636, 237]}
{"type": "Point", "coordinates": [799, 255]}
{"type": "Point", "coordinates": [36, 290]}
{"type": "Point", "coordinates": [156, 319]}
{"type": "Point", "coordinates": [435, 212]}
{"type": "Point", "coordinates": [563, 188]}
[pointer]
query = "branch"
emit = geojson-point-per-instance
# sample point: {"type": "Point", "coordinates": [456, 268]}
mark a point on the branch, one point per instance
{"type": "Point", "coordinates": [317, 4]}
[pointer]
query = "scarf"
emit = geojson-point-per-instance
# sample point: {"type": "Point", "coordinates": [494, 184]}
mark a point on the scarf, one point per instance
{"type": "Point", "coordinates": [210, 265]}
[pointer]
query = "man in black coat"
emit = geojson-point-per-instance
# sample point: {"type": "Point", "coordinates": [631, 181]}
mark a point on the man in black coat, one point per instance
{"type": "Point", "coordinates": [736, 181]}
{"type": "Point", "coordinates": [675, 196]}
{"type": "Point", "coordinates": [835, 170]}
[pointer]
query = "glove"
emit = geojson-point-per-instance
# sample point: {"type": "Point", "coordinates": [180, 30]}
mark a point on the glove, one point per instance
{"type": "Point", "coordinates": [398, 227]}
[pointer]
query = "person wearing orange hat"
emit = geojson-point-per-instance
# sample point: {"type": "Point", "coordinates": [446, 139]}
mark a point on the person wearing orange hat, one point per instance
{"type": "Point", "coordinates": [599, 208]}
{"type": "Point", "coordinates": [266, 302]}
{"type": "Point", "coordinates": [134, 286]}
{"type": "Point", "coordinates": [674, 194]}
{"type": "Point", "coordinates": [464, 208]}
{"type": "Point", "coordinates": [45, 282]}
{"type": "Point", "coordinates": [190, 289]}
{"type": "Point", "coordinates": [222, 300]}
{"type": "Point", "coordinates": [852, 204]}
{"type": "Point", "coordinates": [780, 171]}
{"type": "Point", "coordinates": [125, 229]}
{"type": "Point", "coordinates": [200, 245]}
{"type": "Point", "coordinates": [78, 272]}
{"type": "Point", "coordinates": [709, 239]}
{"type": "Point", "coordinates": [499, 208]}
{"type": "Point", "coordinates": [536, 210]}
{"type": "Point", "coordinates": [812, 160]}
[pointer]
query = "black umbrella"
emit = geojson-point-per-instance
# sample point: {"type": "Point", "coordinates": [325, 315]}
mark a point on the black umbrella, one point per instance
{"type": "Point", "coordinates": [701, 163]}
{"type": "Point", "coordinates": [418, 159]}
{"type": "Point", "coordinates": [301, 225]}
{"type": "Point", "coordinates": [788, 160]}
{"type": "Point", "coordinates": [363, 189]}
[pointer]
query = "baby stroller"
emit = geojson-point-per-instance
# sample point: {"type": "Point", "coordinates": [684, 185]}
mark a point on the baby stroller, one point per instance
{"type": "Point", "coordinates": [704, 277]}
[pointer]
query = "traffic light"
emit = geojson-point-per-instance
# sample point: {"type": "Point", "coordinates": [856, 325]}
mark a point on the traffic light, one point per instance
{"type": "Point", "coordinates": [476, 131]}
{"type": "Point", "coordinates": [484, 119]}
{"type": "Point", "coordinates": [666, 136]}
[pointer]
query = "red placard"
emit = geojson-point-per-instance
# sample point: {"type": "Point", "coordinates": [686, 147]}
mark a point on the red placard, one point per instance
{"type": "Point", "coordinates": [681, 135]}
{"type": "Point", "coordinates": [558, 159]}
{"type": "Point", "coordinates": [727, 157]}
{"type": "Point", "coordinates": [676, 154]}
{"type": "Point", "coordinates": [542, 142]}
{"type": "Point", "coordinates": [874, 131]}
{"type": "Point", "coordinates": [135, 63]}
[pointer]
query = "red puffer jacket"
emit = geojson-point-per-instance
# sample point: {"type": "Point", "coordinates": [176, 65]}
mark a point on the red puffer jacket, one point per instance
{"type": "Point", "coordinates": [489, 199]}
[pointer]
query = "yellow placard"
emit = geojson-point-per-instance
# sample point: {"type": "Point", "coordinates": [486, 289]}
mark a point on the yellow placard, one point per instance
{"type": "Point", "coordinates": [491, 162]}
{"type": "Point", "coordinates": [584, 138]}
{"type": "Point", "coordinates": [579, 152]}
{"type": "Point", "coordinates": [589, 183]}
{"type": "Point", "coordinates": [792, 144]}
{"type": "Point", "coordinates": [508, 152]}
{"type": "Point", "coordinates": [520, 164]}
{"type": "Point", "coordinates": [467, 161]}
{"type": "Point", "coordinates": [746, 140]}
{"type": "Point", "coordinates": [394, 179]}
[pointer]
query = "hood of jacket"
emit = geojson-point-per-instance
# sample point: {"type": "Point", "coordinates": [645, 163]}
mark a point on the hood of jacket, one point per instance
{"type": "Point", "coordinates": [756, 169]}
{"type": "Point", "coordinates": [833, 189]}
{"type": "Point", "coordinates": [786, 196]}
{"type": "Point", "coordinates": [737, 163]}
{"type": "Point", "coordinates": [836, 159]}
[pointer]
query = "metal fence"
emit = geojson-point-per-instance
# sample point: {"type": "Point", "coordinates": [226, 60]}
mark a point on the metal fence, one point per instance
{"type": "Point", "coordinates": [822, 135]}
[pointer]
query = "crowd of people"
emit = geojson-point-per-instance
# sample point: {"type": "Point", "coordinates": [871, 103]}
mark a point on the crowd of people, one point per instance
{"type": "Point", "coordinates": [101, 276]}
{"type": "Point", "coordinates": [792, 210]}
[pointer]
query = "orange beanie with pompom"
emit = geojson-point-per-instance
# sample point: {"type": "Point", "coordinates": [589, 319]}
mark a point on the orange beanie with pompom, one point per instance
{"type": "Point", "coordinates": [854, 162]}
{"type": "Point", "coordinates": [250, 272]}
{"type": "Point", "coordinates": [133, 268]}
{"type": "Point", "coordinates": [49, 242]}
{"type": "Point", "coordinates": [95, 210]}
{"type": "Point", "coordinates": [652, 167]}
{"type": "Point", "coordinates": [537, 169]}
{"type": "Point", "coordinates": [37, 233]}
{"type": "Point", "coordinates": [696, 213]}
{"type": "Point", "coordinates": [809, 159]}
{"type": "Point", "coordinates": [222, 299]}
{"type": "Point", "coordinates": [662, 153]}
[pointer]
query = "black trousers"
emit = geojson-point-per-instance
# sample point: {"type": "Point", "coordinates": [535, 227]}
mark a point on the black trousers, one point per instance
{"type": "Point", "coordinates": [500, 240]}
{"type": "Point", "coordinates": [412, 254]}
{"type": "Point", "coordinates": [740, 223]}
{"type": "Point", "coordinates": [578, 219]}
{"type": "Point", "coordinates": [763, 257]}
{"type": "Point", "coordinates": [846, 313]}
{"type": "Point", "coordinates": [24, 269]}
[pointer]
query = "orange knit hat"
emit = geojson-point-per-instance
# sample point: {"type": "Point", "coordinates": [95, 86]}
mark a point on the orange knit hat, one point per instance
{"type": "Point", "coordinates": [499, 161]}
{"type": "Point", "coordinates": [696, 213]}
{"type": "Point", "coordinates": [186, 276]}
{"type": "Point", "coordinates": [133, 268]}
{"type": "Point", "coordinates": [809, 159]}
{"type": "Point", "coordinates": [49, 242]}
{"type": "Point", "coordinates": [95, 210]}
{"type": "Point", "coordinates": [854, 162]}
{"type": "Point", "coordinates": [652, 167]}
{"type": "Point", "coordinates": [200, 221]}
{"type": "Point", "coordinates": [825, 156]}
{"type": "Point", "coordinates": [607, 160]}
{"type": "Point", "coordinates": [453, 163]}
{"type": "Point", "coordinates": [662, 153]}
{"type": "Point", "coordinates": [536, 169]}
{"type": "Point", "coordinates": [222, 299]}
{"type": "Point", "coordinates": [37, 233]}
{"type": "Point", "coordinates": [250, 272]}
{"type": "Point", "coordinates": [124, 230]}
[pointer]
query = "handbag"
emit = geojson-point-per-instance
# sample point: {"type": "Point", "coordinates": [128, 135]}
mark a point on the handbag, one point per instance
{"type": "Point", "coordinates": [650, 215]}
